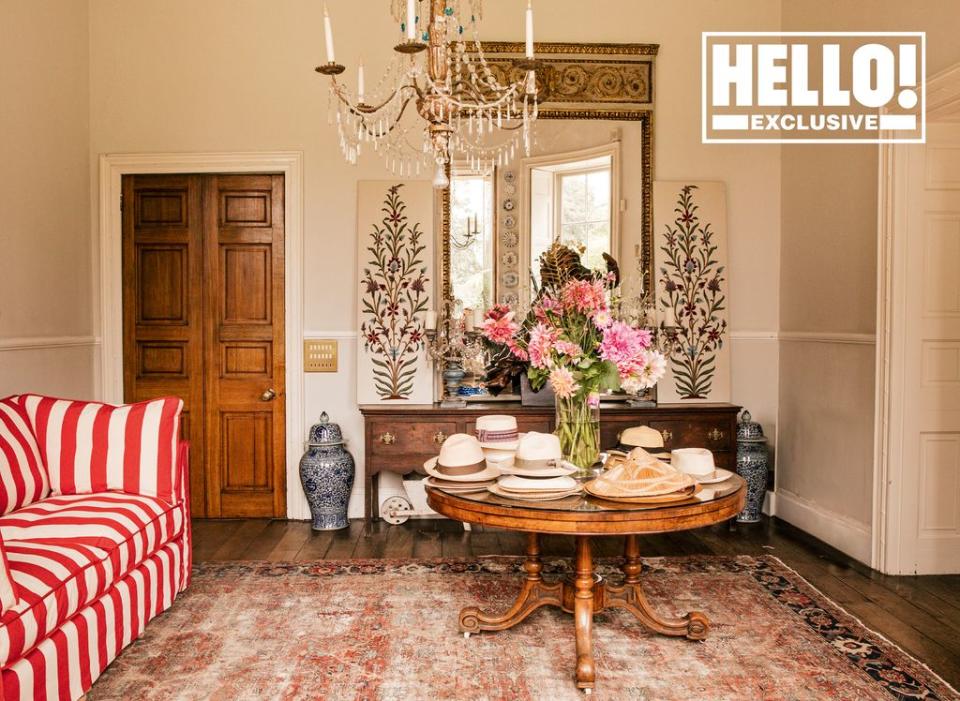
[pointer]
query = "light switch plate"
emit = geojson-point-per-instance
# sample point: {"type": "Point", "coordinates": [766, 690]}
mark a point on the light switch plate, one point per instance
{"type": "Point", "coordinates": [320, 355]}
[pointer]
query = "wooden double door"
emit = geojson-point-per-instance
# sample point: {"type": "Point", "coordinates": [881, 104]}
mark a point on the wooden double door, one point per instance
{"type": "Point", "coordinates": [203, 316]}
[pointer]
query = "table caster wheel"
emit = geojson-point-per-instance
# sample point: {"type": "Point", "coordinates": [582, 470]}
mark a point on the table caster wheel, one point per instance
{"type": "Point", "coordinates": [466, 635]}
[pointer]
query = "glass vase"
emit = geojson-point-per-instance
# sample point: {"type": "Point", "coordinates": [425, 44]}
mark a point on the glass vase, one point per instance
{"type": "Point", "coordinates": [578, 427]}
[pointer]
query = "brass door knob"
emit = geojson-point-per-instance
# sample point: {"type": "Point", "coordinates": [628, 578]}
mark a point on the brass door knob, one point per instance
{"type": "Point", "coordinates": [716, 435]}
{"type": "Point", "coordinates": [387, 438]}
{"type": "Point", "coordinates": [269, 395]}
{"type": "Point", "coordinates": [439, 437]}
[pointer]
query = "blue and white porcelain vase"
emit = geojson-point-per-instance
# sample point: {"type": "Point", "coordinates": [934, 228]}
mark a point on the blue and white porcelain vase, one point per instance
{"type": "Point", "coordinates": [326, 473]}
{"type": "Point", "coordinates": [752, 464]}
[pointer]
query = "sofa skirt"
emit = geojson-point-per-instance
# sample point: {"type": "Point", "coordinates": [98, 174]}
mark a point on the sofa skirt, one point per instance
{"type": "Point", "coordinates": [65, 665]}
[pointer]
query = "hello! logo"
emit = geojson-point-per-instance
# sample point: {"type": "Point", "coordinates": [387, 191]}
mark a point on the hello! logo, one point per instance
{"type": "Point", "coordinates": [806, 87]}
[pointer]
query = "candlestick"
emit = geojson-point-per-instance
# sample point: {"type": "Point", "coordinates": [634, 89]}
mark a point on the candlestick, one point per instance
{"type": "Point", "coordinates": [468, 320]}
{"type": "Point", "coordinates": [411, 20]}
{"type": "Point", "coordinates": [430, 320]}
{"type": "Point", "coordinates": [360, 85]}
{"type": "Point", "coordinates": [529, 28]}
{"type": "Point", "coordinates": [328, 35]}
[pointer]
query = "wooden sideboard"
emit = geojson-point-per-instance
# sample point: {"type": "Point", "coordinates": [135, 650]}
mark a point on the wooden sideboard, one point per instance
{"type": "Point", "coordinates": [400, 438]}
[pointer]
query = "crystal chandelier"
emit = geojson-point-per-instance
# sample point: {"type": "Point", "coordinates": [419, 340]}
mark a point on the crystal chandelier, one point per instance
{"type": "Point", "coordinates": [440, 71]}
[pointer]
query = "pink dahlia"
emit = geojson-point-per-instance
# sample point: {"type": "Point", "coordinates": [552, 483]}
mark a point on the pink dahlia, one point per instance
{"type": "Point", "coordinates": [568, 348]}
{"type": "Point", "coordinates": [540, 345]}
{"type": "Point", "coordinates": [624, 346]}
{"type": "Point", "coordinates": [500, 328]}
{"type": "Point", "coordinates": [561, 379]}
{"type": "Point", "coordinates": [584, 296]}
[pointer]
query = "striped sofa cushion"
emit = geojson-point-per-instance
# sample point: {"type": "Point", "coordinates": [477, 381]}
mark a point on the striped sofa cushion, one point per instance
{"type": "Point", "coordinates": [64, 552]}
{"type": "Point", "coordinates": [9, 594]}
{"type": "Point", "coordinates": [23, 479]}
{"type": "Point", "coordinates": [91, 447]}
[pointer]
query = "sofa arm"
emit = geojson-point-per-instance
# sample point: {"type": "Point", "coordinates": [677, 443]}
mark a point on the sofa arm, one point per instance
{"type": "Point", "coordinates": [183, 497]}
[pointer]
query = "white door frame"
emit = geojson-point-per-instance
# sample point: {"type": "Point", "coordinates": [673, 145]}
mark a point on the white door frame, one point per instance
{"type": "Point", "coordinates": [943, 104]}
{"type": "Point", "coordinates": [110, 284]}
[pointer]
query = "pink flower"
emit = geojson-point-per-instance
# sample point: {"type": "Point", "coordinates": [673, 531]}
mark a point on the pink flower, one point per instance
{"type": "Point", "coordinates": [540, 345]}
{"type": "Point", "coordinates": [653, 367]}
{"type": "Point", "coordinates": [568, 348]}
{"type": "Point", "coordinates": [584, 296]}
{"type": "Point", "coordinates": [561, 379]}
{"type": "Point", "coordinates": [624, 346]}
{"type": "Point", "coordinates": [517, 351]}
{"type": "Point", "coordinates": [501, 328]}
{"type": "Point", "coordinates": [602, 319]}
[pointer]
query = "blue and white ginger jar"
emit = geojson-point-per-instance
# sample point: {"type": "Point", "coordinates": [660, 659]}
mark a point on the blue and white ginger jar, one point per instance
{"type": "Point", "coordinates": [327, 471]}
{"type": "Point", "coordinates": [752, 464]}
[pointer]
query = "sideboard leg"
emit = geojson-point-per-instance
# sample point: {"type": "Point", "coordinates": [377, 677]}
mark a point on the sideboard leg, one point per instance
{"type": "Point", "coordinates": [583, 613]}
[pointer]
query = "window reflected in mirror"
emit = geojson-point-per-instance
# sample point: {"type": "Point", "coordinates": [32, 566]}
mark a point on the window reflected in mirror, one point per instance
{"type": "Point", "coordinates": [471, 238]}
{"type": "Point", "coordinates": [570, 202]}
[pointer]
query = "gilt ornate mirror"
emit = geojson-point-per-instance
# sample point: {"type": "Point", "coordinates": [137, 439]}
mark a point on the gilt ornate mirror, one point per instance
{"type": "Point", "coordinates": [586, 182]}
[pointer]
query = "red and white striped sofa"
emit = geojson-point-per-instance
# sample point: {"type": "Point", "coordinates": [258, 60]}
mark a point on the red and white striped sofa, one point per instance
{"type": "Point", "coordinates": [94, 536]}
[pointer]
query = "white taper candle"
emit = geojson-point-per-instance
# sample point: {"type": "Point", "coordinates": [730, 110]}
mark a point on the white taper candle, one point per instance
{"type": "Point", "coordinates": [328, 35]}
{"type": "Point", "coordinates": [411, 20]}
{"type": "Point", "coordinates": [529, 28]}
{"type": "Point", "coordinates": [360, 86]}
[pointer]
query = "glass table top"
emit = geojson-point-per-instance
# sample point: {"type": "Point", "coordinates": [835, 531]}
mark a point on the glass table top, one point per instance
{"type": "Point", "coordinates": [584, 503]}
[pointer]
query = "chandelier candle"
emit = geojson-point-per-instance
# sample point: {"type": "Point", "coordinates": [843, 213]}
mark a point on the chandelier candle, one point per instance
{"type": "Point", "coordinates": [411, 20]}
{"type": "Point", "coordinates": [328, 36]}
{"type": "Point", "coordinates": [529, 28]}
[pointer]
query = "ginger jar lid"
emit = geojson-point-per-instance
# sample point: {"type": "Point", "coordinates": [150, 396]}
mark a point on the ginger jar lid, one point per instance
{"type": "Point", "coordinates": [748, 430]}
{"type": "Point", "coordinates": [325, 433]}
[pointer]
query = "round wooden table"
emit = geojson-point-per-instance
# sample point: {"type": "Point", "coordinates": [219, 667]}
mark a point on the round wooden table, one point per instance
{"type": "Point", "coordinates": [585, 592]}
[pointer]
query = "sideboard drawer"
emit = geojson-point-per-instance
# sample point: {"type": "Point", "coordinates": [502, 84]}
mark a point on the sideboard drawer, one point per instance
{"type": "Point", "coordinates": [393, 438]}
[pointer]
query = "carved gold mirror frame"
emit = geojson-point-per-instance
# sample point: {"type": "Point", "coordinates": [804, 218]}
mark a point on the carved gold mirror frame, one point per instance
{"type": "Point", "coordinates": [613, 82]}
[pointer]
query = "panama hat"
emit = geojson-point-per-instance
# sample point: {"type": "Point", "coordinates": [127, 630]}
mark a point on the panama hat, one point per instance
{"type": "Point", "coordinates": [699, 464]}
{"type": "Point", "coordinates": [643, 437]}
{"type": "Point", "coordinates": [538, 455]}
{"type": "Point", "coordinates": [461, 459]}
{"type": "Point", "coordinates": [497, 431]}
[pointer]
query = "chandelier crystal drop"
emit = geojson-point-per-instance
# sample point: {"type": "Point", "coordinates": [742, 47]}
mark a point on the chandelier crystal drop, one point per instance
{"type": "Point", "coordinates": [439, 71]}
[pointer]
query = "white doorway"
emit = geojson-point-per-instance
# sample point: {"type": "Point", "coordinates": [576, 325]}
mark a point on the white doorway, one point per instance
{"type": "Point", "coordinates": [917, 495]}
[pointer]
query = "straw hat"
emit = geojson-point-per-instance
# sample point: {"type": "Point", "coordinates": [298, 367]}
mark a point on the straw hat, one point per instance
{"type": "Point", "coordinates": [643, 437]}
{"type": "Point", "coordinates": [497, 431]}
{"type": "Point", "coordinates": [461, 459]}
{"type": "Point", "coordinates": [640, 475]}
{"type": "Point", "coordinates": [538, 455]}
{"type": "Point", "coordinates": [693, 461]}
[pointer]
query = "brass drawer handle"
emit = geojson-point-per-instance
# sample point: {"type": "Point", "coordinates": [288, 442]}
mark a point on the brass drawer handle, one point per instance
{"type": "Point", "coordinates": [716, 435]}
{"type": "Point", "coordinates": [439, 437]}
{"type": "Point", "coordinates": [387, 438]}
{"type": "Point", "coordinates": [667, 435]}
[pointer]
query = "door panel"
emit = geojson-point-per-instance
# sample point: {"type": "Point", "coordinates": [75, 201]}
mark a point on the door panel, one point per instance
{"type": "Point", "coordinates": [243, 234]}
{"type": "Point", "coordinates": [162, 303]}
{"type": "Point", "coordinates": [203, 320]}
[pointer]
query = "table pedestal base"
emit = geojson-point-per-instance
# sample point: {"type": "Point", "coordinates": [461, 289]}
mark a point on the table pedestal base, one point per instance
{"type": "Point", "coordinates": [583, 594]}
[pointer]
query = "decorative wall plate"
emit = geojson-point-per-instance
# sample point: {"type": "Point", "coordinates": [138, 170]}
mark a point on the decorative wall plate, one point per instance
{"type": "Point", "coordinates": [509, 258]}
{"type": "Point", "coordinates": [510, 279]}
{"type": "Point", "coordinates": [509, 204]}
{"type": "Point", "coordinates": [510, 239]}
{"type": "Point", "coordinates": [509, 176]}
{"type": "Point", "coordinates": [509, 221]}
{"type": "Point", "coordinates": [509, 299]}
{"type": "Point", "coordinates": [510, 189]}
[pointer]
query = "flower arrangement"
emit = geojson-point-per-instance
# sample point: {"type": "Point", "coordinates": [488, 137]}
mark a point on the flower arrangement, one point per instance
{"type": "Point", "coordinates": [573, 339]}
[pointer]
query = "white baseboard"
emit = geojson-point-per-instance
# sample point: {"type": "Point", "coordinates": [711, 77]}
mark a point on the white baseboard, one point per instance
{"type": "Point", "coordinates": [769, 503]}
{"type": "Point", "coordinates": [845, 534]}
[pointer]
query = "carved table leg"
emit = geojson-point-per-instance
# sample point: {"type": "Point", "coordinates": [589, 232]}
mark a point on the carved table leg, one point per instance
{"type": "Point", "coordinates": [534, 594]}
{"type": "Point", "coordinates": [583, 614]}
{"type": "Point", "coordinates": [630, 596]}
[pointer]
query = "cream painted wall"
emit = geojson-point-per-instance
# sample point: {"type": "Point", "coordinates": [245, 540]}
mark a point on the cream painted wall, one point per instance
{"type": "Point", "coordinates": [44, 196]}
{"type": "Point", "coordinates": [828, 259]}
{"type": "Point", "coordinates": [226, 75]}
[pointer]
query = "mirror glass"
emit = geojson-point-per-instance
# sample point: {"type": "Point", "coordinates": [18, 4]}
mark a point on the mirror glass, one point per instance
{"type": "Point", "coordinates": [582, 184]}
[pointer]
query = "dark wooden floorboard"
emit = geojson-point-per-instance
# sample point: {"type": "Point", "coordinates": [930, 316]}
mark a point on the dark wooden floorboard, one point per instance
{"type": "Point", "coordinates": [921, 614]}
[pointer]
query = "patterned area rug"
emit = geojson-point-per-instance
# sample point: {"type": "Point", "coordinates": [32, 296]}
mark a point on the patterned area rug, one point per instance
{"type": "Point", "coordinates": [387, 630]}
